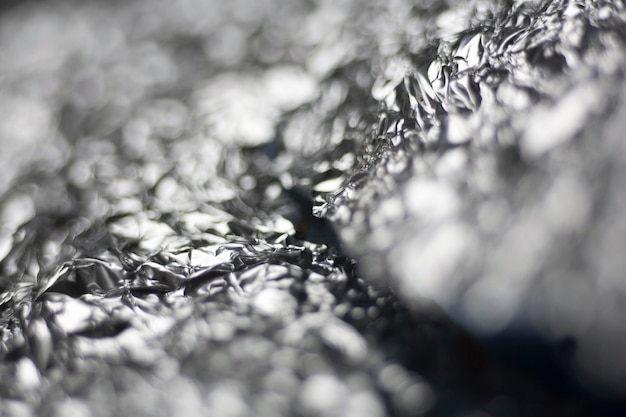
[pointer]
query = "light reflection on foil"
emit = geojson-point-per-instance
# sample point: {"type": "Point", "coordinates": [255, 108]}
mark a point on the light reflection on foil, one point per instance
{"type": "Point", "coordinates": [161, 162]}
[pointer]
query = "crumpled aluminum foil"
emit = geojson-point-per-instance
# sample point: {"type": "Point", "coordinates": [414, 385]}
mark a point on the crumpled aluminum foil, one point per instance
{"type": "Point", "coordinates": [490, 183]}
{"type": "Point", "coordinates": [161, 162]}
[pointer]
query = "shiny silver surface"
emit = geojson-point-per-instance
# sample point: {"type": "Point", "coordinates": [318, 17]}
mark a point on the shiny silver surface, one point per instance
{"type": "Point", "coordinates": [271, 208]}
